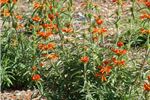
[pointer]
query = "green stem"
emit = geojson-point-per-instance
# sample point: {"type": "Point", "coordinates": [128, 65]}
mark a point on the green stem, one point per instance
{"type": "Point", "coordinates": [85, 74]}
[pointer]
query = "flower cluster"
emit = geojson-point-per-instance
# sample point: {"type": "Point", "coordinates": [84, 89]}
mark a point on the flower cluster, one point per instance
{"type": "Point", "coordinates": [103, 72]}
{"type": "Point", "coordinates": [84, 59]}
{"type": "Point", "coordinates": [147, 85]}
{"type": "Point", "coordinates": [98, 30]}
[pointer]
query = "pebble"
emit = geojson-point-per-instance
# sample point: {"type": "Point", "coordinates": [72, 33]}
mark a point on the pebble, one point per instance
{"type": "Point", "coordinates": [20, 95]}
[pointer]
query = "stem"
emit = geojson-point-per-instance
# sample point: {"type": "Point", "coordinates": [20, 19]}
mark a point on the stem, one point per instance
{"type": "Point", "coordinates": [85, 75]}
{"type": "Point", "coordinates": [117, 22]}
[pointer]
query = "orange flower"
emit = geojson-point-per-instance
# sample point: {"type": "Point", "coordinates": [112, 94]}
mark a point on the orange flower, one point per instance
{"type": "Point", "coordinates": [145, 16]}
{"type": "Point", "coordinates": [103, 78]}
{"type": "Point", "coordinates": [147, 3]}
{"type": "Point", "coordinates": [50, 7]}
{"type": "Point", "coordinates": [122, 52]}
{"type": "Point", "coordinates": [51, 26]}
{"type": "Point", "coordinates": [147, 87]}
{"type": "Point", "coordinates": [122, 62]}
{"type": "Point", "coordinates": [19, 26]}
{"type": "Point", "coordinates": [51, 16]}
{"type": "Point", "coordinates": [67, 30]}
{"type": "Point", "coordinates": [36, 18]}
{"type": "Point", "coordinates": [36, 77]}
{"type": "Point", "coordinates": [37, 5]}
{"type": "Point", "coordinates": [6, 13]}
{"type": "Point", "coordinates": [95, 30]}
{"type": "Point", "coordinates": [97, 74]}
{"type": "Point", "coordinates": [106, 69]}
{"type": "Point", "coordinates": [42, 34]}
{"type": "Point", "coordinates": [99, 21]}
{"type": "Point", "coordinates": [14, 1]}
{"type": "Point", "coordinates": [99, 67]}
{"type": "Point", "coordinates": [34, 68]}
{"type": "Point", "coordinates": [41, 46]}
{"type": "Point", "coordinates": [52, 56]}
{"type": "Point", "coordinates": [118, 62]}
{"type": "Point", "coordinates": [120, 44]}
{"type": "Point", "coordinates": [19, 17]}
{"type": "Point", "coordinates": [144, 31]}
{"type": "Point", "coordinates": [45, 35]}
{"type": "Point", "coordinates": [114, 0]}
{"type": "Point", "coordinates": [48, 34]}
{"type": "Point", "coordinates": [119, 52]}
{"type": "Point", "coordinates": [84, 59]}
{"type": "Point", "coordinates": [103, 30]}
{"type": "Point", "coordinates": [99, 31]}
{"type": "Point", "coordinates": [105, 62]}
{"type": "Point", "coordinates": [3, 1]}
{"type": "Point", "coordinates": [51, 46]}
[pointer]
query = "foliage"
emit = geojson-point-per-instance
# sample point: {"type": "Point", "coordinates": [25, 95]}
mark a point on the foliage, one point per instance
{"type": "Point", "coordinates": [45, 49]}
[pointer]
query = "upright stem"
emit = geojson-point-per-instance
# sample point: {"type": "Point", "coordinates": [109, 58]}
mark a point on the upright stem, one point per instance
{"type": "Point", "coordinates": [85, 75]}
{"type": "Point", "coordinates": [117, 22]}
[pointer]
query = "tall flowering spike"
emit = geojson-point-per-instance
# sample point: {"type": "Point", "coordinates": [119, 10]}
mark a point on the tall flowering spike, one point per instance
{"type": "Point", "coordinates": [36, 77]}
{"type": "Point", "coordinates": [84, 59]}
